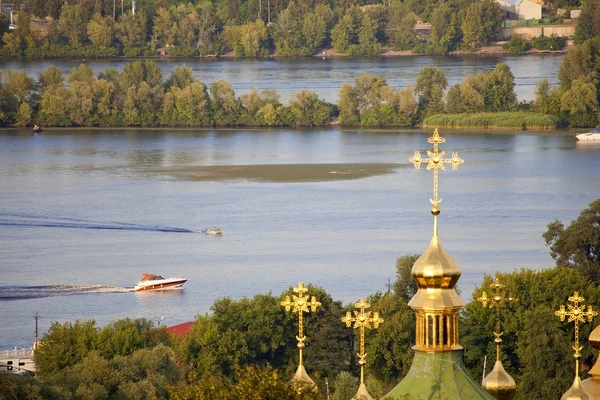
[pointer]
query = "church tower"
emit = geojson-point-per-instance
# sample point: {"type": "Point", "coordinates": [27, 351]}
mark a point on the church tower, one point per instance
{"type": "Point", "coordinates": [437, 370]}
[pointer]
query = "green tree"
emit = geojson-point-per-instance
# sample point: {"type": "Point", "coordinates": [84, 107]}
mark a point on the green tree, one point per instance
{"type": "Point", "coordinates": [464, 98]}
{"type": "Point", "coordinates": [287, 32]}
{"type": "Point", "coordinates": [345, 32]}
{"type": "Point", "coordinates": [308, 109]}
{"type": "Point", "coordinates": [73, 24]}
{"type": "Point", "coordinates": [431, 83]}
{"type": "Point", "coordinates": [499, 89]}
{"type": "Point", "coordinates": [51, 77]}
{"type": "Point", "coordinates": [588, 23]}
{"type": "Point", "coordinates": [345, 386]}
{"type": "Point", "coordinates": [578, 245]}
{"type": "Point", "coordinates": [226, 108]}
{"type": "Point", "coordinates": [400, 30]}
{"type": "Point", "coordinates": [367, 41]}
{"type": "Point", "coordinates": [101, 30]}
{"type": "Point", "coordinates": [131, 29]}
{"type": "Point", "coordinates": [481, 23]}
{"type": "Point", "coordinates": [181, 76]}
{"type": "Point", "coordinates": [164, 28]}
{"type": "Point", "coordinates": [314, 29]}
{"type": "Point", "coordinates": [24, 115]}
{"type": "Point", "coordinates": [348, 106]}
{"type": "Point", "coordinates": [444, 30]}
{"type": "Point", "coordinates": [64, 345]}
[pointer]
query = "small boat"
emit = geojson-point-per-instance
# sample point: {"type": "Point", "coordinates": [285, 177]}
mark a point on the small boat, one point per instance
{"type": "Point", "coordinates": [594, 134]}
{"type": "Point", "coordinates": [157, 282]}
{"type": "Point", "coordinates": [213, 231]}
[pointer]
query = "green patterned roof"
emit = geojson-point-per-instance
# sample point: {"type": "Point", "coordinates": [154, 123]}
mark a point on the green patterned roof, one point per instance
{"type": "Point", "coordinates": [439, 376]}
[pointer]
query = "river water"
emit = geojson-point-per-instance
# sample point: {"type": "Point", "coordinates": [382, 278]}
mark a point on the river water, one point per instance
{"type": "Point", "coordinates": [84, 213]}
{"type": "Point", "coordinates": [326, 76]}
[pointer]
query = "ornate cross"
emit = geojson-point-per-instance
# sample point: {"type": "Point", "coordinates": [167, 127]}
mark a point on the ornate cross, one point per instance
{"type": "Point", "coordinates": [576, 314]}
{"type": "Point", "coordinates": [436, 161]}
{"type": "Point", "coordinates": [362, 319]}
{"type": "Point", "coordinates": [300, 305]}
{"type": "Point", "coordinates": [498, 300]}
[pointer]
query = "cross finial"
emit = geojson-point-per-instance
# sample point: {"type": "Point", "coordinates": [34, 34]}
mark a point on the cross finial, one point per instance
{"type": "Point", "coordinates": [300, 305]}
{"type": "Point", "coordinates": [436, 161]}
{"type": "Point", "coordinates": [576, 314]}
{"type": "Point", "coordinates": [362, 319]}
{"type": "Point", "coordinates": [498, 300]}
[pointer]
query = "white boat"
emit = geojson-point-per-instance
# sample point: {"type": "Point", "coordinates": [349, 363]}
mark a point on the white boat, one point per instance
{"type": "Point", "coordinates": [213, 231]}
{"type": "Point", "coordinates": [157, 282]}
{"type": "Point", "coordinates": [594, 134]}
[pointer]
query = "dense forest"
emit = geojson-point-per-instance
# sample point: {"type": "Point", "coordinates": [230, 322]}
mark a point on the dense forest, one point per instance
{"type": "Point", "coordinates": [246, 349]}
{"type": "Point", "coordinates": [102, 28]}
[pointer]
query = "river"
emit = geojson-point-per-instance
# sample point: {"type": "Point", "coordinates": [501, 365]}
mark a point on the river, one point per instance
{"type": "Point", "coordinates": [84, 213]}
{"type": "Point", "coordinates": [326, 76]}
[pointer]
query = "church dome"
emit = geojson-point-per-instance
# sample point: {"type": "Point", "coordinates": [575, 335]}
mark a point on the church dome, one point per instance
{"type": "Point", "coordinates": [499, 383]}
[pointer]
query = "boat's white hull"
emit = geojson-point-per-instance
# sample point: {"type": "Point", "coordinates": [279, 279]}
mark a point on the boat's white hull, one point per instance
{"type": "Point", "coordinates": [166, 284]}
{"type": "Point", "coordinates": [588, 136]}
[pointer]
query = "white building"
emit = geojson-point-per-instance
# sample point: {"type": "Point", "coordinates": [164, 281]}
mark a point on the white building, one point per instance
{"type": "Point", "coordinates": [520, 9]}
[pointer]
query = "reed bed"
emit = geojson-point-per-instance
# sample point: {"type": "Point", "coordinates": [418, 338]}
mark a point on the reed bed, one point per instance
{"type": "Point", "coordinates": [492, 120]}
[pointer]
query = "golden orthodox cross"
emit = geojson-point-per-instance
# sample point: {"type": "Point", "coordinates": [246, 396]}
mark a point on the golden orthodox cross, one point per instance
{"type": "Point", "coordinates": [300, 305]}
{"type": "Point", "coordinates": [497, 300]}
{"type": "Point", "coordinates": [576, 314]}
{"type": "Point", "coordinates": [362, 319]}
{"type": "Point", "coordinates": [436, 161]}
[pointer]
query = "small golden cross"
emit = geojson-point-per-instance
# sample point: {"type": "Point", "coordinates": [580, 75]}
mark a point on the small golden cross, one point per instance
{"type": "Point", "coordinates": [362, 319]}
{"type": "Point", "coordinates": [576, 314]}
{"type": "Point", "coordinates": [301, 305]}
{"type": "Point", "coordinates": [436, 161]}
{"type": "Point", "coordinates": [497, 301]}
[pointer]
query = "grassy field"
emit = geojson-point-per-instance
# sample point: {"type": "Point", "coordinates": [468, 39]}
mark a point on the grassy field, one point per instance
{"type": "Point", "coordinates": [499, 120]}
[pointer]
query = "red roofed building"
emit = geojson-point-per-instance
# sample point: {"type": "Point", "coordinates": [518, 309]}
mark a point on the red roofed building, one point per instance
{"type": "Point", "coordinates": [181, 329]}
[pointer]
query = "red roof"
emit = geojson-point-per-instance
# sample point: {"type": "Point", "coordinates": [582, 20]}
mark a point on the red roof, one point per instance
{"type": "Point", "coordinates": [181, 329]}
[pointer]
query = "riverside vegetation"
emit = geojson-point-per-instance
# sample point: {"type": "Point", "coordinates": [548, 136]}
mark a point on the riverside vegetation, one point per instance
{"type": "Point", "coordinates": [140, 96]}
{"type": "Point", "coordinates": [246, 349]}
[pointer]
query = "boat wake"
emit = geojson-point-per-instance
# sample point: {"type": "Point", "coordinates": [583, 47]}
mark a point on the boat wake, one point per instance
{"type": "Point", "coordinates": [25, 221]}
{"type": "Point", "coordinates": [8, 293]}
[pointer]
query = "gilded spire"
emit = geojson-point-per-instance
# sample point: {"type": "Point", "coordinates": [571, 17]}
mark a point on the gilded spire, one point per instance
{"type": "Point", "coordinates": [301, 305]}
{"type": "Point", "coordinates": [498, 382]}
{"type": "Point", "coordinates": [576, 313]}
{"type": "Point", "coordinates": [362, 319]}
{"type": "Point", "coordinates": [436, 302]}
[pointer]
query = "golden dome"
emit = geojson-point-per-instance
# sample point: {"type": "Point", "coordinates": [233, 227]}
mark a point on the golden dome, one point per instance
{"type": "Point", "coordinates": [436, 274]}
{"type": "Point", "coordinates": [499, 383]}
{"type": "Point", "coordinates": [576, 392]}
{"type": "Point", "coordinates": [592, 385]}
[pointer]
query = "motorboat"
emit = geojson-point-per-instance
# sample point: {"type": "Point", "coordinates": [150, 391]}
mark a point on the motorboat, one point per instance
{"type": "Point", "coordinates": [157, 282]}
{"type": "Point", "coordinates": [213, 231]}
{"type": "Point", "coordinates": [594, 134]}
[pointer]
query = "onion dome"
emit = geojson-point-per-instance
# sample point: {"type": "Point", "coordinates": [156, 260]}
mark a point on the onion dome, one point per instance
{"type": "Point", "coordinates": [498, 382]}
{"type": "Point", "coordinates": [362, 393]}
{"type": "Point", "coordinates": [592, 385]}
{"type": "Point", "coordinates": [576, 392]}
{"type": "Point", "coordinates": [436, 274]}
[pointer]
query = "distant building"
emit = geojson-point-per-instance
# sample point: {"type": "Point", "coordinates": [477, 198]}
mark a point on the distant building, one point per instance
{"type": "Point", "coordinates": [520, 9]}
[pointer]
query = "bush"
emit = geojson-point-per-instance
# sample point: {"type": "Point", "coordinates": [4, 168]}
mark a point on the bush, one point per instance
{"type": "Point", "coordinates": [138, 51]}
{"type": "Point", "coordinates": [549, 42]}
{"type": "Point", "coordinates": [183, 51]}
{"type": "Point", "coordinates": [517, 44]}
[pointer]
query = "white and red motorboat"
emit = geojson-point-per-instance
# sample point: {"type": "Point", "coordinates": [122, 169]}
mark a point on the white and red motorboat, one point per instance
{"type": "Point", "coordinates": [157, 282]}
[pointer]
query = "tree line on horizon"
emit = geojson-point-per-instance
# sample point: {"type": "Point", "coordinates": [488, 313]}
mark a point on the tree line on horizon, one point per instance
{"type": "Point", "coordinates": [87, 28]}
{"type": "Point", "coordinates": [246, 348]}
{"type": "Point", "coordinates": [139, 95]}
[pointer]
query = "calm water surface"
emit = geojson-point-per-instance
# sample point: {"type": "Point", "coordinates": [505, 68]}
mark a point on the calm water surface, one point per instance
{"type": "Point", "coordinates": [84, 213]}
{"type": "Point", "coordinates": [326, 76]}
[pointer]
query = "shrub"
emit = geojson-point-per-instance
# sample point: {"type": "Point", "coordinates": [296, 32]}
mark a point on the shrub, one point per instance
{"type": "Point", "coordinates": [516, 44]}
{"type": "Point", "coordinates": [552, 42]}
